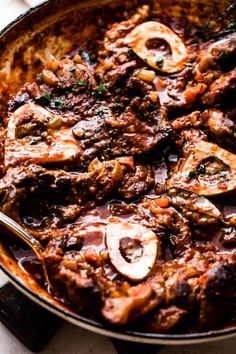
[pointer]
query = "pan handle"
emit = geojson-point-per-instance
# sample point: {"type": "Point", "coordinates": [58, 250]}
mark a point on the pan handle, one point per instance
{"type": "Point", "coordinates": [29, 322]}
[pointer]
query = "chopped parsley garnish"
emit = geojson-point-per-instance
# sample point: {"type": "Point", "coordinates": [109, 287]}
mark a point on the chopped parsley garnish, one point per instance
{"type": "Point", "coordinates": [34, 141]}
{"type": "Point", "coordinates": [191, 174]}
{"type": "Point", "coordinates": [44, 99]}
{"type": "Point", "coordinates": [201, 169]}
{"type": "Point", "coordinates": [59, 103]}
{"type": "Point", "coordinates": [162, 164]}
{"type": "Point", "coordinates": [222, 54]}
{"type": "Point", "coordinates": [184, 141]}
{"type": "Point", "coordinates": [101, 112]}
{"type": "Point", "coordinates": [46, 96]}
{"type": "Point", "coordinates": [160, 61]}
{"type": "Point", "coordinates": [101, 88]}
{"type": "Point", "coordinates": [81, 83]}
{"type": "Point", "coordinates": [130, 53]}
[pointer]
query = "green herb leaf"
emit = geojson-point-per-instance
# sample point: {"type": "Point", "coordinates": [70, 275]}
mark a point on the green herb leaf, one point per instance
{"type": "Point", "coordinates": [101, 113]}
{"type": "Point", "coordinates": [130, 53]}
{"type": "Point", "coordinates": [81, 83]}
{"type": "Point", "coordinates": [191, 174]}
{"type": "Point", "coordinates": [44, 99]}
{"type": "Point", "coordinates": [34, 141]}
{"type": "Point", "coordinates": [222, 54]}
{"type": "Point", "coordinates": [160, 61]}
{"type": "Point", "coordinates": [201, 169]}
{"type": "Point", "coordinates": [101, 88]}
{"type": "Point", "coordinates": [46, 96]}
{"type": "Point", "coordinates": [59, 103]}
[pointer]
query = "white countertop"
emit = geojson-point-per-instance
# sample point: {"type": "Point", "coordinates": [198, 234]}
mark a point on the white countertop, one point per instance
{"type": "Point", "coordinates": [71, 339]}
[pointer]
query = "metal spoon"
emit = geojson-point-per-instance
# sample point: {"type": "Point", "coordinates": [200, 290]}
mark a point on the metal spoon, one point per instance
{"type": "Point", "coordinates": [34, 244]}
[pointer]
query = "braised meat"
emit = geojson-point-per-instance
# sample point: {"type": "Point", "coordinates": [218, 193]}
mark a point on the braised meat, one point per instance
{"type": "Point", "coordinates": [120, 158]}
{"type": "Point", "coordinates": [61, 193]}
{"type": "Point", "coordinates": [74, 119]}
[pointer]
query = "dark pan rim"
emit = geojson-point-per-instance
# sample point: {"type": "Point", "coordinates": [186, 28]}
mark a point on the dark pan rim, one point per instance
{"type": "Point", "coordinates": [123, 334]}
{"type": "Point", "coordinates": [91, 325]}
{"type": "Point", "coordinates": [25, 14]}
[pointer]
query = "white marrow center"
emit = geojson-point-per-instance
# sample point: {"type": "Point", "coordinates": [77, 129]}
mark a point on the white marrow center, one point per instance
{"type": "Point", "coordinates": [143, 236]}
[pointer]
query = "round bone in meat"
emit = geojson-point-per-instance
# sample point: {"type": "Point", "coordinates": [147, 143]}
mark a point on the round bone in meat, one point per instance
{"type": "Point", "coordinates": [189, 177]}
{"type": "Point", "coordinates": [139, 269]}
{"type": "Point", "coordinates": [139, 37]}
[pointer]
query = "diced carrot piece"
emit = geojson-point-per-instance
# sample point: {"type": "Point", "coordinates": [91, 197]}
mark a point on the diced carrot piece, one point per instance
{"type": "Point", "coordinates": [191, 92]}
{"type": "Point", "coordinates": [90, 255]}
{"type": "Point", "coordinates": [162, 202]}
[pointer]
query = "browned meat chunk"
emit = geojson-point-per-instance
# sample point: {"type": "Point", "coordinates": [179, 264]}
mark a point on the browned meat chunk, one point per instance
{"type": "Point", "coordinates": [166, 319]}
{"type": "Point", "coordinates": [137, 301]}
{"type": "Point", "coordinates": [113, 52]}
{"type": "Point", "coordinates": [222, 91]}
{"type": "Point", "coordinates": [136, 182]}
{"type": "Point", "coordinates": [228, 238]}
{"type": "Point", "coordinates": [218, 293]}
{"type": "Point", "coordinates": [58, 193]}
{"type": "Point", "coordinates": [176, 230]}
{"type": "Point", "coordinates": [217, 55]}
{"type": "Point", "coordinates": [72, 78]}
{"type": "Point", "coordinates": [137, 130]}
{"type": "Point", "coordinates": [192, 120]}
{"type": "Point", "coordinates": [77, 125]}
{"type": "Point", "coordinates": [212, 122]}
{"type": "Point", "coordinates": [188, 139]}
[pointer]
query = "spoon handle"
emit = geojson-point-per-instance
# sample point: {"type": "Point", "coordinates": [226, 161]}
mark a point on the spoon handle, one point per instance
{"type": "Point", "coordinates": [34, 244]}
{"type": "Point", "coordinates": [14, 227]}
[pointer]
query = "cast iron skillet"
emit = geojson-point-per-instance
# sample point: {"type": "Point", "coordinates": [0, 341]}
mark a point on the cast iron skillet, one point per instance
{"type": "Point", "coordinates": [24, 44]}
